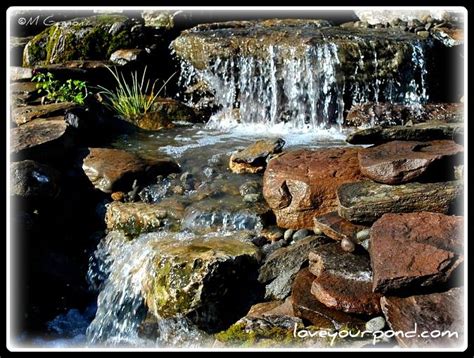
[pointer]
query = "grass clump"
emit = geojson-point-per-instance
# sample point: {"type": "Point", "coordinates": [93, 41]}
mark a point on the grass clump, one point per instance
{"type": "Point", "coordinates": [133, 98]}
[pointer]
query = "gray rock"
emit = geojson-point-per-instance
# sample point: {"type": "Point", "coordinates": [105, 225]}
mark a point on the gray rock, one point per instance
{"type": "Point", "coordinates": [301, 234]}
{"type": "Point", "coordinates": [363, 235]}
{"type": "Point", "coordinates": [250, 187]}
{"type": "Point", "coordinates": [252, 198]}
{"type": "Point", "coordinates": [375, 324]}
{"type": "Point", "coordinates": [34, 181]}
{"type": "Point", "coordinates": [288, 234]}
{"type": "Point", "coordinates": [281, 267]}
{"type": "Point", "coordinates": [367, 201]}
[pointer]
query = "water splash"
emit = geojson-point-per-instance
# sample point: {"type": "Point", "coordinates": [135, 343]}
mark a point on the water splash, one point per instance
{"type": "Point", "coordinates": [304, 90]}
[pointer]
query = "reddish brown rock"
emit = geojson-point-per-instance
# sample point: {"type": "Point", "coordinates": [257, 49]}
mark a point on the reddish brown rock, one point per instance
{"type": "Point", "coordinates": [402, 161]}
{"type": "Point", "coordinates": [307, 307]}
{"type": "Point", "coordinates": [415, 250]}
{"type": "Point", "coordinates": [112, 170]}
{"type": "Point", "coordinates": [301, 184]}
{"type": "Point", "coordinates": [253, 159]}
{"type": "Point", "coordinates": [343, 280]}
{"type": "Point", "coordinates": [337, 228]}
{"type": "Point", "coordinates": [432, 313]}
{"type": "Point", "coordinates": [272, 308]}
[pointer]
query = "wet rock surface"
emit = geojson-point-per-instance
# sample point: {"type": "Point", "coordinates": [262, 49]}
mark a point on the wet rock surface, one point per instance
{"type": "Point", "coordinates": [253, 159]}
{"type": "Point", "coordinates": [403, 161]}
{"type": "Point", "coordinates": [343, 280]}
{"type": "Point", "coordinates": [113, 169]}
{"type": "Point", "coordinates": [307, 307]}
{"type": "Point", "coordinates": [433, 312]}
{"type": "Point", "coordinates": [281, 266]}
{"type": "Point", "coordinates": [301, 184]}
{"type": "Point", "coordinates": [365, 201]}
{"type": "Point", "coordinates": [199, 279]}
{"type": "Point", "coordinates": [417, 132]}
{"type": "Point", "coordinates": [22, 115]}
{"type": "Point", "coordinates": [337, 228]}
{"type": "Point", "coordinates": [389, 114]}
{"type": "Point", "coordinates": [428, 248]}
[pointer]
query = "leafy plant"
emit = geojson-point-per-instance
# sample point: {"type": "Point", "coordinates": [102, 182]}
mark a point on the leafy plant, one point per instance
{"type": "Point", "coordinates": [132, 99]}
{"type": "Point", "coordinates": [57, 91]}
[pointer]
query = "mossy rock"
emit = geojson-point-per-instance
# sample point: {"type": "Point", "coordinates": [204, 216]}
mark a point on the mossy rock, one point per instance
{"type": "Point", "coordinates": [90, 38]}
{"type": "Point", "coordinates": [201, 278]}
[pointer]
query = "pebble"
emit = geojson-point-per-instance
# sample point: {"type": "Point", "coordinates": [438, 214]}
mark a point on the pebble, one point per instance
{"type": "Point", "coordinates": [288, 234]}
{"type": "Point", "coordinates": [365, 244]}
{"type": "Point", "coordinates": [118, 196]}
{"type": "Point", "coordinates": [272, 233]}
{"type": "Point", "coordinates": [178, 189]}
{"type": "Point", "coordinates": [300, 234]}
{"type": "Point", "coordinates": [375, 324]}
{"type": "Point", "coordinates": [259, 241]}
{"type": "Point", "coordinates": [363, 235]}
{"type": "Point", "coordinates": [269, 248]}
{"type": "Point", "coordinates": [347, 245]}
{"type": "Point", "coordinates": [250, 187]}
{"type": "Point", "coordinates": [251, 198]}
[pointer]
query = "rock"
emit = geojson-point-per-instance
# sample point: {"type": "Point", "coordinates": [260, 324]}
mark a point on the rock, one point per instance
{"type": "Point", "coordinates": [436, 312]}
{"type": "Point", "coordinates": [301, 184]}
{"type": "Point", "coordinates": [259, 309]}
{"type": "Point", "coordinates": [123, 56]}
{"type": "Point", "coordinates": [363, 235]}
{"type": "Point", "coordinates": [307, 307]}
{"type": "Point", "coordinates": [418, 132]}
{"type": "Point", "coordinates": [250, 187]}
{"type": "Point", "coordinates": [199, 279]}
{"type": "Point", "coordinates": [375, 324]}
{"type": "Point", "coordinates": [287, 236]}
{"type": "Point", "coordinates": [389, 114]}
{"type": "Point", "coordinates": [448, 37]}
{"type": "Point", "coordinates": [94, 72]}
{"type": "Point", "coordinates": [300, 234]}
{"type": "Point", "coordinates": [34, 181]}
{"type": "Point", "coordinates": [281, 266]}
{"type": "Point", "coordinates": [423, 34]}
{"type": "Point", "coordinates": [403, 161]}
{"type": "Point", "coordinates": [112, 170]}
{"type": "Point", "coordinates": [18, 73]}
{"type": "Point", "coordinates": [270, 248]}
{"type": "Point", "coordinates": [17, 45]}
{"type": "Point", "coordinates": [428, 248]}
{"type": "Point", "coordinates": [459, 172]}
{"type": "Point", "coordinates": [252, 198]}
{"type": "Point", "coordinates": [88, 38]}
{"type": "Point", "coordinates": [117, 196]}
{"type": "Point", "coordinates": [378, 16]}
{"type": "Point", "coordinates": [337, 228]}
{"type": "Point", "coordinates": [365, 201]}
{"type": "Point", "coordinates": [158, 19]}
{"type": "Point", "coordinates": [22, 94]}
{"type": "Point", "coordinates": [272, 233]}
{"type": "Point", "coordinates": [22, 115]}
{"type": "Point", "coordinates": [343, 280]}
{"type": "Point", "coordinates": [347, 245]}
{"type": "Point", "coordinates": [253, 159]}
{"type": "Point", "coordinates": [164, 114]}
{"type": "Point", "coordinates": [136, 218]}
{"type": "Point", "coordinates": [366, 245]}
{"type": "Point", "coordinates": [39, 133]}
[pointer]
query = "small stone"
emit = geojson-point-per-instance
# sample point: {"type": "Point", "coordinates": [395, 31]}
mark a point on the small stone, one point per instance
{"type": "Point", "coordinates": [253, 159]}
{"type": "Point", "coordinates": [178, 189]}
{"type": "Point", "coordinates": [250, 187]}
{"type": "Point", "coordinates": [459, 172]}
{"type": "Point", "coordinates": [375, 324]}
{"type": "Point", "coordinates": [187, 179]}
{"type": "Point", "coordinates": [423, 34]}
{"type": "Point", "coordinates": [252, 198]}
{"type": "Point", "coordinates": [272, 233]}
{"type": "Point", "coordinates": [288, 234]}
{"type": "Point", "coordinates": [347, 245]}
{"type": "Point", "coordinates": [269, 249]}
{"type": "Point", "coordinates": [117, 196]}
{"type": "Point", "coordinates": [259, 241]}
{"type": "Point", "coordinates": [366, 245]}
{"type": "Point", "coordinates": [301, 234]}
{"type": "Point", "coordinates": [363, 235]}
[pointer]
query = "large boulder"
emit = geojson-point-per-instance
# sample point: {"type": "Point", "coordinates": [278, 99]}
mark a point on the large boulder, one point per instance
{"type": "Point", "coordinates": [112, 170]}
{"type": "Point", "coordinates": [343, 280]}
{"type": "Point", "coordinates": [22, 115]}
{"type": "Point", "coordinates": [34, 181]}
{"type": "Point", "coordinates": [366, 201]}
{"type": "Point", "coordinates": [89, 38]}
{"type": "Point", "coordinates": [301, 184]}
{"type": "Point", "coordinates": [200, 279]}
{"type": "Point", "coordinates": [414, 250]}
{"type": "Point", "coordinates": [403, 161]}
{"type": "Point", "coordinates": [432, 313]}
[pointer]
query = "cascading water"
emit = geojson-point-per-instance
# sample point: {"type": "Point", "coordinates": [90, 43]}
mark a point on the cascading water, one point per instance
{"type": "Point", "coordinates": [308, 89]}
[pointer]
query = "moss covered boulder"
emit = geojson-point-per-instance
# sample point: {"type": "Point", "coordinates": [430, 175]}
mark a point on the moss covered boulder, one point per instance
{"type": "Point", "coordinates": [209, 280]}
{"type": "Point", "coordinates": [90, 38]}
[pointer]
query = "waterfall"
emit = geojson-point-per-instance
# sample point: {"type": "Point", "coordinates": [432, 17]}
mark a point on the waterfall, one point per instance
{"type": "Point", "coordinates": [305, 90]}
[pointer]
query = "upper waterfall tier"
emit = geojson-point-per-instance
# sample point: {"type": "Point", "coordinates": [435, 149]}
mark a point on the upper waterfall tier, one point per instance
{"type": "Point", "coordinates": [304, 72]}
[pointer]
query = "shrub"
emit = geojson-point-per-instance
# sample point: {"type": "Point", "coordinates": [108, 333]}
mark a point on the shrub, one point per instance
{"type": "Point", "coordinates": [132, 99]}
{"type": "Point", "coordinates": [57, 91]}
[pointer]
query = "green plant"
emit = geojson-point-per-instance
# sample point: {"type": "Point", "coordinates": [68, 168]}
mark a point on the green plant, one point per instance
{"type": "Point", "coordinates": [57, 91]}
{"type": "Point", "coordinates": [132, 99]}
